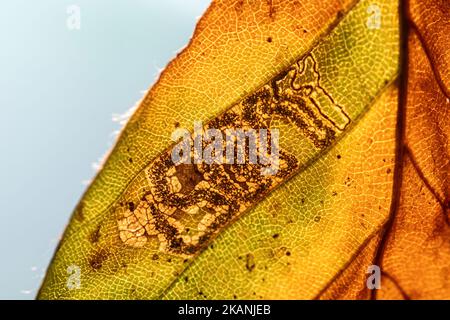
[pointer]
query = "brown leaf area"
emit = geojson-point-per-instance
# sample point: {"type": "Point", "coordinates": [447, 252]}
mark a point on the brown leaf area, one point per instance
{"type": "Point", "coordinates": [413, 248]}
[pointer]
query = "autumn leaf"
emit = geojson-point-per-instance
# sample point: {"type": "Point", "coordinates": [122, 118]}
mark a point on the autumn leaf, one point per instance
{"type": "Point", "coordinates": [361, 178]}
{"type": "Point", "coordinates": [413, 247]}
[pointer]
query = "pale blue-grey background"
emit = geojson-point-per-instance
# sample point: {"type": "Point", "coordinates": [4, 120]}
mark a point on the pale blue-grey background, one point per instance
{"type": "Point", "coordinates": [58, 92]}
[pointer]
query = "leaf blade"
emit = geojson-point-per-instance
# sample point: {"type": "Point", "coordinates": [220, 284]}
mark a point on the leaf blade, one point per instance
{"type": "Point", "coordinates": [102, 285]}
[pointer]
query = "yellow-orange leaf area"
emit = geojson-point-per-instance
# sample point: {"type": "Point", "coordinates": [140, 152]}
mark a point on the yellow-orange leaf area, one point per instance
{"type": "Point", "coordinates": [413, 248]}
{"type": "Point", "coordinates": [361, 177]}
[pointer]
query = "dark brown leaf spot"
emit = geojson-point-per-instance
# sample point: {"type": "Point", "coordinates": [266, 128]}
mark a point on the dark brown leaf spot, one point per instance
{"type": "Point", "coordinates": [95, 235]}
{"type": "Point", "coordinates": [250, 262]}
{"type": "Point", "coordinates": [97, 259]}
